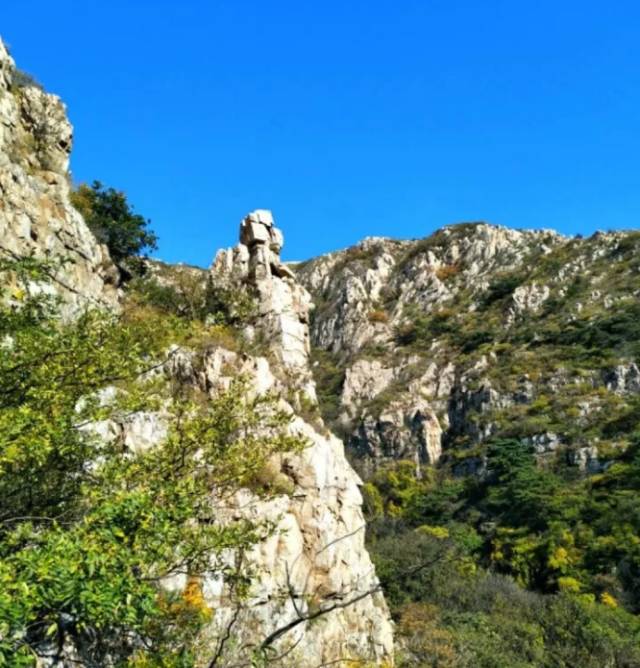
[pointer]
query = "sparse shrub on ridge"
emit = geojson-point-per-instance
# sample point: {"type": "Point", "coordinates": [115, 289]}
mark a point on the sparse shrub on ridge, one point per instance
{"type": "Point", "coordinates": [21, 79]}
{"type": "Point", "coordinates": [378, 316]}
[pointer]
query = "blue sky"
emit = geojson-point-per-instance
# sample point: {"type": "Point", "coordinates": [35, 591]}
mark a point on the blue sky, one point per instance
{"type": "Point", "coordinates": [347, 118]}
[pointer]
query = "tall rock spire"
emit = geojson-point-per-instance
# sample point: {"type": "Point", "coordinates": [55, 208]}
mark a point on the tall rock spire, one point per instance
{"type": "Point", "coordinates": [283, 304]}
{"type": "Point", "coordinates": [318, 554]}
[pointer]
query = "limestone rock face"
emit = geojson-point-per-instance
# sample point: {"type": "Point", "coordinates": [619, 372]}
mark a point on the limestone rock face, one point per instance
{"type": "Point", "coordinates": [403, 430]}
{"type": "Point", "coordinates": [315, 558]}
{"type": "Point", "coordinates": [318, 550]}
{"type": "Point", "coordinates": [364, 380]}
{"type": "Point", "coordinates": [350, 283]}
{"type": "Point", "coordinates": [36, 216]}
{"type": "Point", "coordinates": [528, 298]}
{"type": "Point", "coordinates": [283, 304]}
{"type": "Point", "coordinates": [623, 378]}
{"type": "Point", "coordinates": [451, 328]}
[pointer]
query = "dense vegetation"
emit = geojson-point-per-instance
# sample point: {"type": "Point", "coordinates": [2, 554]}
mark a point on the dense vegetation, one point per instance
{"type": "Point", "coordinates": [89, 528]}
{"type": "Point", "coordinates": [547, 566]}
{"type": "Point", "coordinates": [522, 547]}
{"type": "Point", "coordinates": [525, 567]}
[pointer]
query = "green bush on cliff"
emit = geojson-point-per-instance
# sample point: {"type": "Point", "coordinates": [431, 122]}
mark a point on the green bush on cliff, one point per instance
{"type": "Point", "coordinates": [190, 294]}
{"type": "Point", "coordinates": [113, 221]}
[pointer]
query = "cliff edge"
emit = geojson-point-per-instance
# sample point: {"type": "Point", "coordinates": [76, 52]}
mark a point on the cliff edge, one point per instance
{"type": "Point", "coordinates": [36, 216]}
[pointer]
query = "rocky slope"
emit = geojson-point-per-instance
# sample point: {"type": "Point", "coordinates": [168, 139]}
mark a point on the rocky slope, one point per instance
{"type": "Point", "coordinates": [317, 558]}
{"type": "Point", "coordinates": [421, 350]}
{"type": "Point", "coordinates": [426, 349]}
{"type": "Point", "coordinates": [36, 216]}
{"type": "Point", "coordinates": [315, 565]}
{"type": "Point", "coordinates": [315, 561]}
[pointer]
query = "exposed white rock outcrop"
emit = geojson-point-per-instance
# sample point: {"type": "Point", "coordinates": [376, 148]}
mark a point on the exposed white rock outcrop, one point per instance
{"type": "Point", "coordinates": [374, 291]}
{"type": "Point", "coordinates": [364, 380]}
{"type": "Point", "coordinates": [318, 549]}
{"type": "Point", "coordinates": [36, 216]}
{"type": "Point", "coordinates": [528, 298]}
{"type": "Point", "coordinates": [317, 552]}
{"type": "Point", "coordinates": [623, 378]}
{"type": "Point", "coordinates": [587, 459]}
{"type": "Point", "coordinates": [316, 558]}
{"type": "Point", "coordinates": [283, 304]}
{"type": "Point", "coordinates": [404, 429]}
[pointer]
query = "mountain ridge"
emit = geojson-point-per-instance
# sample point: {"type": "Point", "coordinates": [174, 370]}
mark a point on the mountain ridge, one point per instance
{"type": "Point", "coordinates": [485, 382]}
{"type": "Point", "coordinates": [367, 294]}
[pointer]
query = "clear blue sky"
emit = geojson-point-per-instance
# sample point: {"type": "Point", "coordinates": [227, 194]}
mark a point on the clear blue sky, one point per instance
{"type": "Point", "coordinates": [346, 118]}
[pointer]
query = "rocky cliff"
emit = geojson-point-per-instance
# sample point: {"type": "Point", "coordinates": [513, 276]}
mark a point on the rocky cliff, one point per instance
{"type": "Point", "coordinates": [36, 216]}
{"type": "Point", "coordinates": [317, 556]}
{"type": "Point", "coordinates": [314, 573]}
{"type": "Point", "coordinates": [426, 349]}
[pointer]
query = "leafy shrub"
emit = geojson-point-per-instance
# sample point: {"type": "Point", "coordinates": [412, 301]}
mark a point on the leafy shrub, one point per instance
{"type": "Point", "coordinates": [420, 329]}
{"type": "Point", "coordinates": [448, 271]}
{"type": "Point", "coordinates": [406, 564]}
{"type": "Point", "coordinates": [356, 255]}
{"type": "Point", "coordinates": [169, 297]}
{"type": "Point", "coordinates": [329, 376]}
{"type": "Point", "coordinates": [190, 293]}
{"type": "Point", "coordinates": [472, 340]}
{"type": "Point", "coordinates": [450, 613]}
{"type": "Point", "coordinates": [425, 640]}
{"type": "Point", "coordinates": [229, 305]}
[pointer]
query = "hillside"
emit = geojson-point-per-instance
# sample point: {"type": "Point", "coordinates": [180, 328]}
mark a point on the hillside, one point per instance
{"type": "Point", "coordinates": [486, 383]}
{"type": "Point", "coordinates": [427, 349]}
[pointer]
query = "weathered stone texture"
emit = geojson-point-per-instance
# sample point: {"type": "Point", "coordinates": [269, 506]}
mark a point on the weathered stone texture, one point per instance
{"type": "Point", "coordinates": [36, 216]}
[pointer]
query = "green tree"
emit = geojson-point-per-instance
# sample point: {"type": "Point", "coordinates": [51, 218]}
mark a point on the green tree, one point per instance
{"type": "Point", "coordinates": [518, 491]}
{"type": "Point", "coordinates": [112, 220]}
{"type": "Point", "coordinates": [88, 529]}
